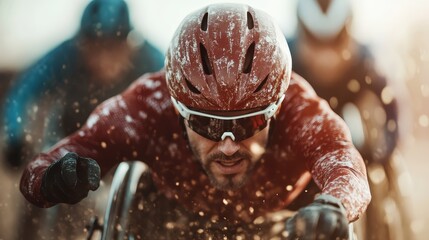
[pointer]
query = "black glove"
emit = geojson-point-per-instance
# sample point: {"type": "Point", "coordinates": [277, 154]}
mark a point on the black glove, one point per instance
{"type": "Point", "coordinates": [69, 179]}
{"type": "Point", "coordinates": [325, 218]}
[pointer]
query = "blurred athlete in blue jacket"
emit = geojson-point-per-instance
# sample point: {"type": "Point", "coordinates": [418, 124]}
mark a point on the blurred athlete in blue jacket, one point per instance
{"type": "Point", "coordinates": [61, 89]}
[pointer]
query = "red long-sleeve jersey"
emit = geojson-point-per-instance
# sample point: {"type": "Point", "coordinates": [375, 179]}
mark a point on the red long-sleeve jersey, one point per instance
{"type": "Point", "coordinates": [307, 140]}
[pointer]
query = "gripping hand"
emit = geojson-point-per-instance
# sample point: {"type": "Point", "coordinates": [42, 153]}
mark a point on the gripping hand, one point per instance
{"type": "Point", "coordinates": [69, 179]}
{"type": "Point", "coordinates": [325, 218]}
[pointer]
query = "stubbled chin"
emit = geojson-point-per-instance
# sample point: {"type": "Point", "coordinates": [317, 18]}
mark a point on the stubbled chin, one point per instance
{"type": "Point", "coordinates": [228, 182]}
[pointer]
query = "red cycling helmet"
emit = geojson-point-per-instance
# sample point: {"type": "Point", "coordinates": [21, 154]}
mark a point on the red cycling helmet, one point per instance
{"type": "Point", "coordinates": [228, 57]}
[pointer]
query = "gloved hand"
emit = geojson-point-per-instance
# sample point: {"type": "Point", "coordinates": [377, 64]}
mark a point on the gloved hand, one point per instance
{"type": "Point", "coordinates": [325, 218]}
{"type": "Point", "coordinates": [69, 179]}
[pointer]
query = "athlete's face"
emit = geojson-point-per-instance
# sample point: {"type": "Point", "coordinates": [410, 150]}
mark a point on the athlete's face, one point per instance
{"type": "Point", "coordinates": [228, 164]}
{"type": "Point", "coordinates": [106, 60]}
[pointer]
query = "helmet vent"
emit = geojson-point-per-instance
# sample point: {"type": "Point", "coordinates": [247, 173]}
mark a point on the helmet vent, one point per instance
{"type": "Point", "coordinates": [250, 23]}
{"type": "Point", "coordinates": [324, 5]}
{"type": "Point", "coordinates": [124, 11]}
{"type": "Point", "coordinates": [192, 87]}
{"type": "Point", "coordinates": [205, 60]}
{"type": "Point", "coordinates": [247, 66]}
{"type": "Point", "coordinates": [95, 8]}
{"type": "Point", "coordinates": [261, 85]}
{"type": "Point", "coordinates": [204, 22]}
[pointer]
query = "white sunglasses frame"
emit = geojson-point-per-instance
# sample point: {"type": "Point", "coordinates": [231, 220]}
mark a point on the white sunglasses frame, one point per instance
{"type": "Point", "coordinates": [267, 112]}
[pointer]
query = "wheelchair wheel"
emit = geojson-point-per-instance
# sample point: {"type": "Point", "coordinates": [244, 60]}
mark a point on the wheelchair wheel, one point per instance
{"type": "Point", "coordinates": [122, 193]}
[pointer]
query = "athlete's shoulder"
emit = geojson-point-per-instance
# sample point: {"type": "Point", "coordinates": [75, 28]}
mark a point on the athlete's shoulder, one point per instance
{"type": "Point", "coordinates": [149, 92]}
{"type": "Point", "coordinates": [299, 84]}
{"type": "Point", "coordinates": [153, 81]}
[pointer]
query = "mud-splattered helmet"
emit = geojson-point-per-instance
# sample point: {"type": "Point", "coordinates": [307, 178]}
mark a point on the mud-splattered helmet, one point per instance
{"type": "Point", "coordinates": [228, 57]}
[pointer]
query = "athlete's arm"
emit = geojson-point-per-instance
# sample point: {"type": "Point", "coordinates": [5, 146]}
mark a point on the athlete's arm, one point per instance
{"type": "Point", "coordinates": [112, 133]}
{"type": "Point", "coordinates": [323, 140]}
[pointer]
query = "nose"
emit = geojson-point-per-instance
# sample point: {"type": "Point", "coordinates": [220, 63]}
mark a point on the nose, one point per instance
{"type": "Point", "coordinates": [228, 146]}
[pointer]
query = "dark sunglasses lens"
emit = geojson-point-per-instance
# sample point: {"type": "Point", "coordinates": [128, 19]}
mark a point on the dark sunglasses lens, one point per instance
{"type": "Point", "coordinates": [213, 128]}
{"type": "Point", "coordinates": [210, 128]}
{"type": "Point", "coordinates": [247, 127]}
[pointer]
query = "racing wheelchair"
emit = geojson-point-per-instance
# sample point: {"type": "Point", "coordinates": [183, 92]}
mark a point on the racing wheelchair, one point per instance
{"type": "Point", "coordinates": [127, 209]}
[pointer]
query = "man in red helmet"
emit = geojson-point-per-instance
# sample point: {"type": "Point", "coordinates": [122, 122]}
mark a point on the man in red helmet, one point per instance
{"type": "Point", "coordinates": [254, 134]}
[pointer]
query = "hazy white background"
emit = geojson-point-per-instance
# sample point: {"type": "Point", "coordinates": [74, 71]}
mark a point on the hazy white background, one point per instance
{"type": "Point", "coordinates": [30, 28]}
{"type": "Point", "coordinates": [397, 31]}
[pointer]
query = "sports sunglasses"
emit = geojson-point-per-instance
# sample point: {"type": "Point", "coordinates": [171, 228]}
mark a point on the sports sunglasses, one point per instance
{"type": "Point", "coordinates": [217, 128]}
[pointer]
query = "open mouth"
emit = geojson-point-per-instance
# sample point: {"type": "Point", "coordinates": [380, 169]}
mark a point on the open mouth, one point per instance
{"type": "Point", "coordinates": [231, 166]}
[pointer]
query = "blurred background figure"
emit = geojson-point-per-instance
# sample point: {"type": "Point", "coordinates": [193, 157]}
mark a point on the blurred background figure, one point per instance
{"type": "Point", "coordinates": [5, 77]}
{"type": "Point", "coordinates": [53, 98]}
{"type": "Point", "coordinates": [342, 71]}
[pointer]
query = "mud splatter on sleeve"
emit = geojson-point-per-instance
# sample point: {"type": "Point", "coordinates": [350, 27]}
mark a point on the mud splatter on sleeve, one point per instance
{"type": "Point", "coordinates": [112, 133]}
{"type": "Point", "coordinates": [323, 140]}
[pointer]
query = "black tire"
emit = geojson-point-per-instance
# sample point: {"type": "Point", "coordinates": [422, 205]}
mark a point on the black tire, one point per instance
{"type": "Point", "coordinates": [121, 197]}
